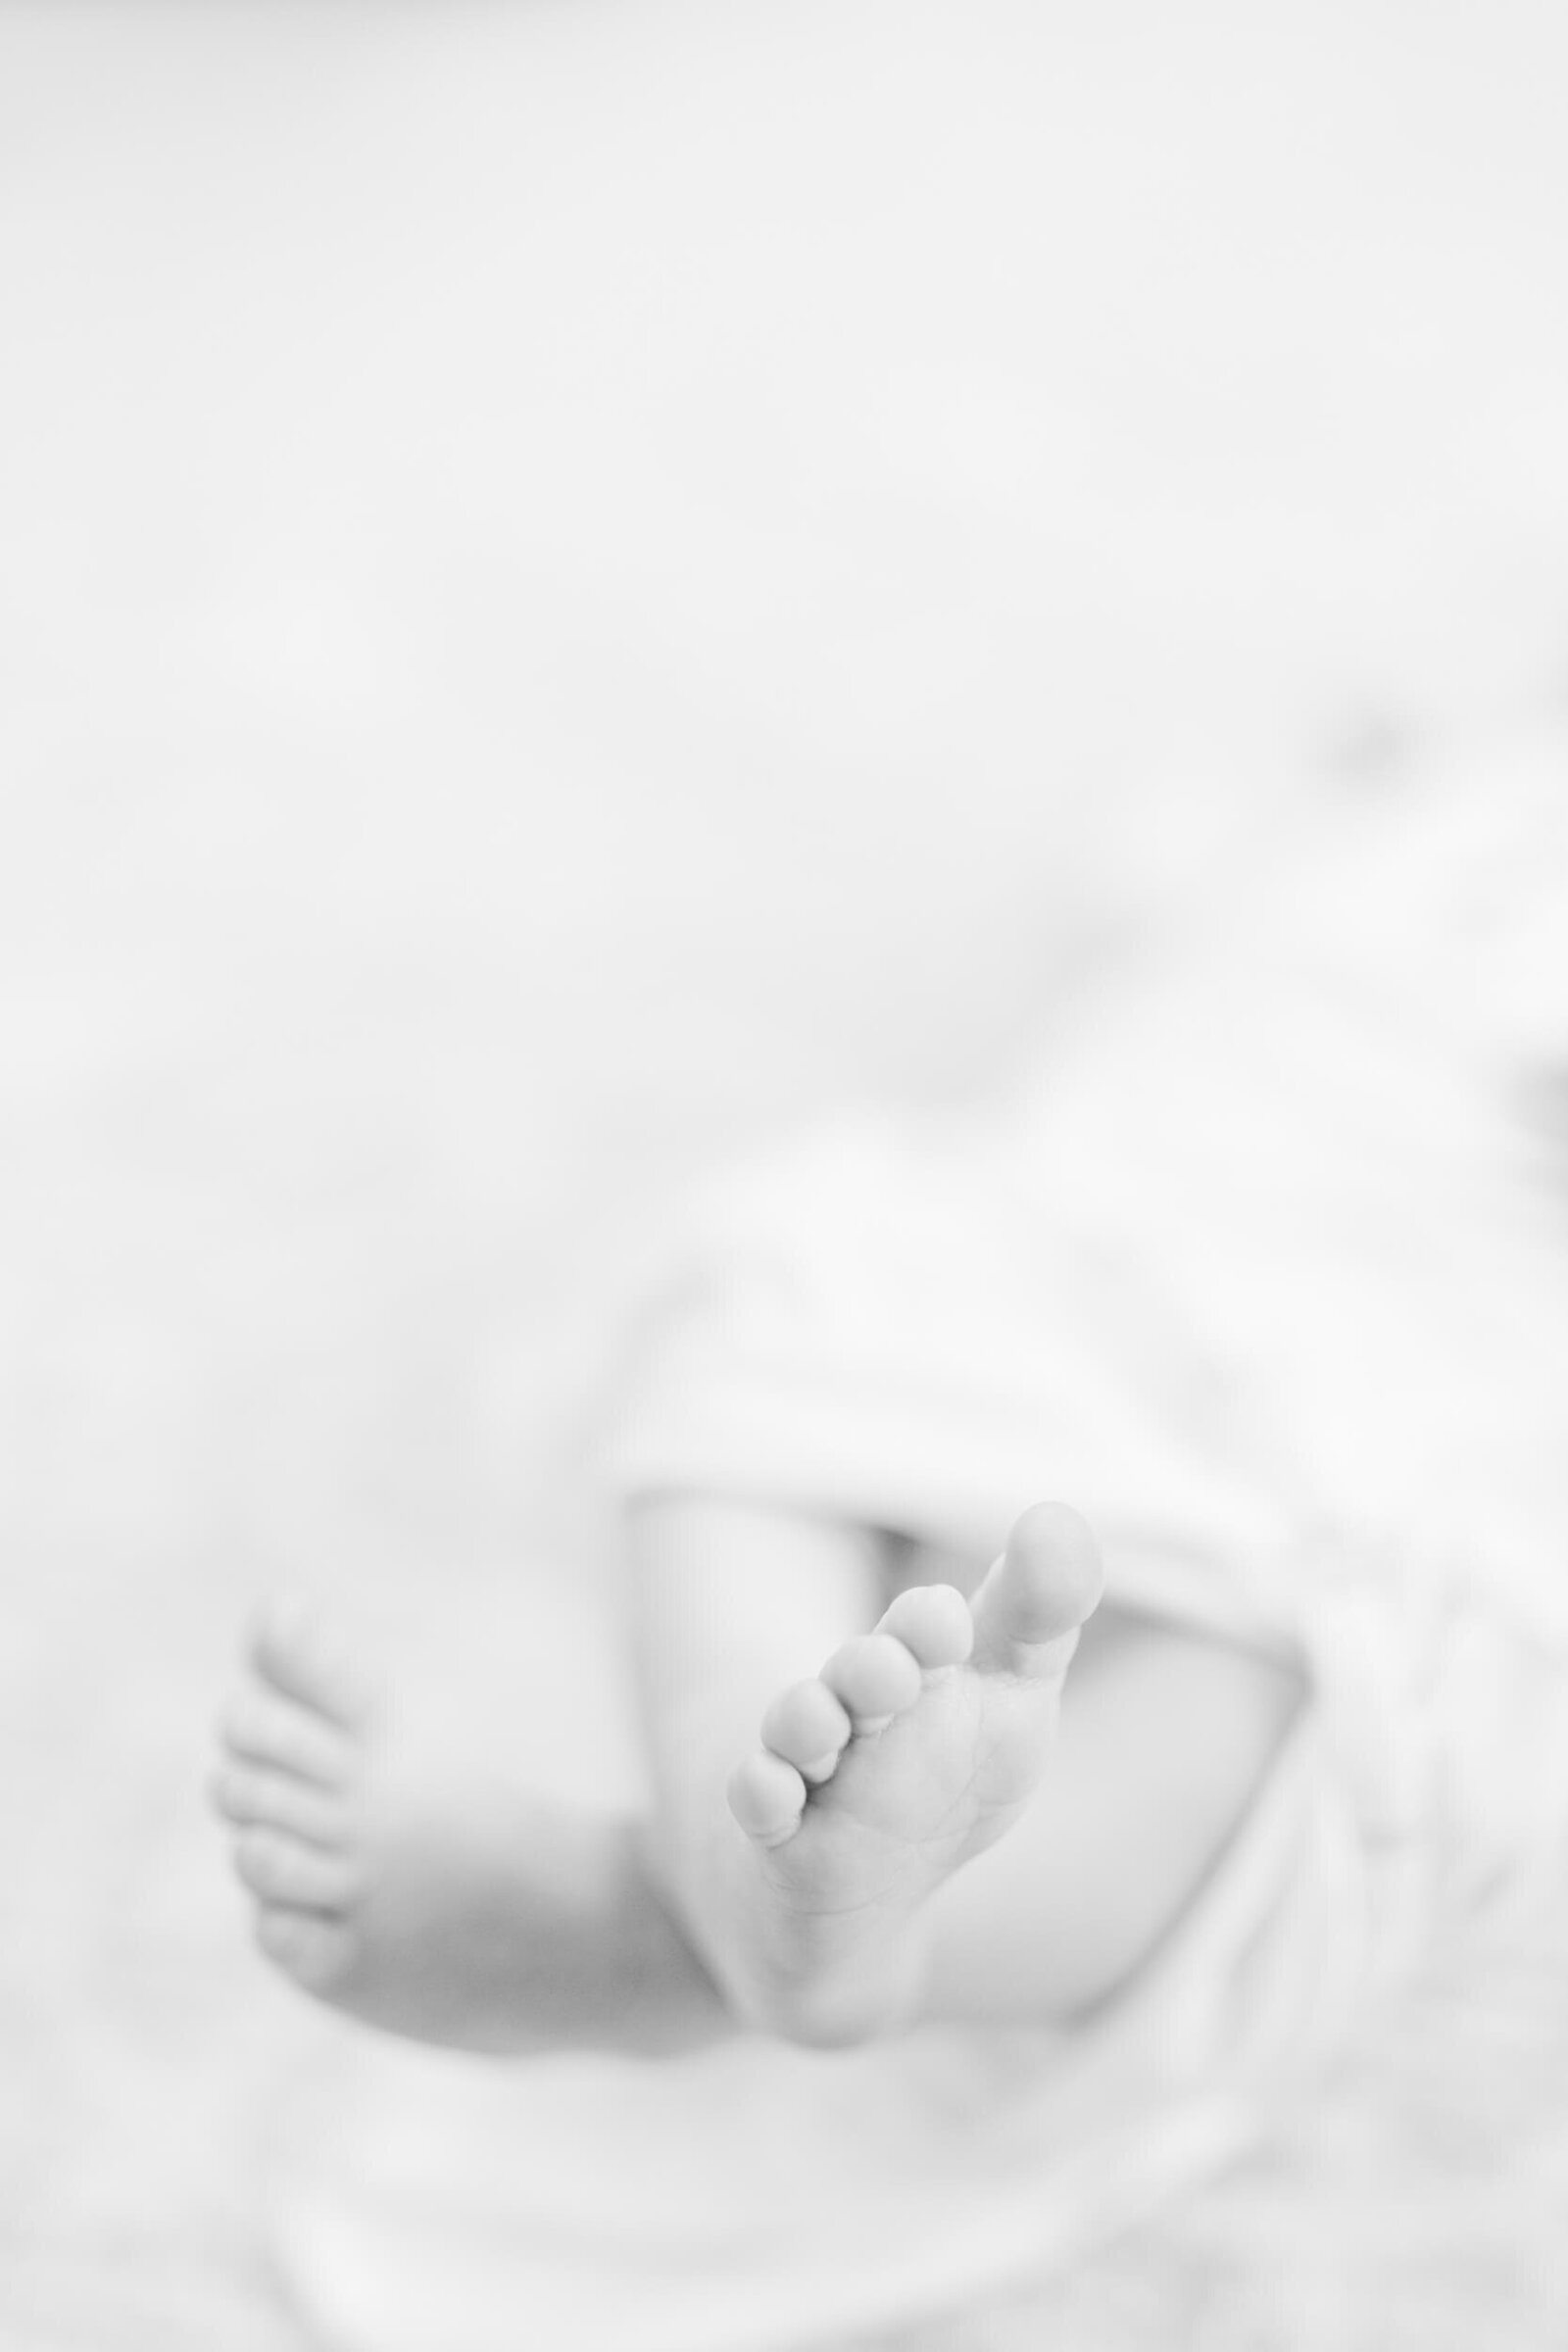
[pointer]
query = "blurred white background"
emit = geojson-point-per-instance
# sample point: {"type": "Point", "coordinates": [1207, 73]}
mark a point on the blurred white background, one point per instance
{"type": "Point", "coordinates": [579, 584]}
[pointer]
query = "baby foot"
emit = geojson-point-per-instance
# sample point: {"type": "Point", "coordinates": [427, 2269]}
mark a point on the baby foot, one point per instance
{"type": "Point", "coordinates": [476, 1917]}
{"type": "Point", "coordinates": [291, 1788]}
{"type": "Point", "coordinates": [915, 1748]}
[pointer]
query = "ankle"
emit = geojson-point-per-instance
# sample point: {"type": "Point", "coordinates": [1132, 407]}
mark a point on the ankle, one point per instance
{"type": "Point", "coordinates": [646, 1927]}
{"type": "Point", "coordinates": [844, 2009]}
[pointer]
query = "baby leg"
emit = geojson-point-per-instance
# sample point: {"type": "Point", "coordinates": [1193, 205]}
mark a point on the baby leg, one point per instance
{"type": "Point", "coordinates": [855, 1896]}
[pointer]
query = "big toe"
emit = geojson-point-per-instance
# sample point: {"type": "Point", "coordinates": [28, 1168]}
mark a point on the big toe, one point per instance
{"type": "Point", "coordinates": [1028, 1612]}
{"type": "Point", "coordinates": [292, 1650]}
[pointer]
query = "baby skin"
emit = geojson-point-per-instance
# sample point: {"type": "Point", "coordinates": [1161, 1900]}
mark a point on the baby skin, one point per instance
{"type": "Point", "coordinates": [827, 1856]}
{"type": "Point", "coordinates": [469, 1914]}
{"type": "Point", "coordinates": [915, 1748]}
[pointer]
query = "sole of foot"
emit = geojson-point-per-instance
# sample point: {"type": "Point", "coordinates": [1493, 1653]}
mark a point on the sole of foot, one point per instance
{"type": "Point", "coordinates": [463, 1913]}
{"type": "Point", "coordinates": [915, 1748]}
{"type": "Point", "coordinates": [458, 1909]}
{"type": "Point", "coordinates": [290, 1785]}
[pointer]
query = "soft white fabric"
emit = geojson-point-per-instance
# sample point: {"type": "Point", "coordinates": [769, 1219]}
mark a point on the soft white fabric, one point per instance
{"type": "Point", "coordinates": [1266, 1268]}
{"type": "Point", "coordinates": [1268, 1249]}
{"type": "Point", "coordinates": [759, 2196]}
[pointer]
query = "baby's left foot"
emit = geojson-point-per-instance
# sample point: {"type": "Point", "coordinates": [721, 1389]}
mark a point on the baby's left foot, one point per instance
{"type": "Point", "coordinates": [477, 1917]}
{"type": "Point", "coordinates": [915, 1748]}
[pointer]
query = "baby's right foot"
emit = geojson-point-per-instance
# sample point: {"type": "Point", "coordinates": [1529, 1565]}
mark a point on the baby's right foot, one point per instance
{"type": "Point", "coordinates": [915, 1748]}
{"type": "Point", "coordinates": [479, 1919]}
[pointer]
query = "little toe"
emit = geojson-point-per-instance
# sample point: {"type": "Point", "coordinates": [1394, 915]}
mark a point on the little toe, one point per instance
{"type": "Point", "coordinates": [876, 1677]}
{"type": "Point", "coordinates": [807, 1725]}
{"type": "Point", "coordinates": [934, 1624]}
{"type": "Point", "coordinates": [285, 1870]}
{"type": "Point", "coordinates": [767, 1797]}
{"type": "Point", "coordinates": [262, 1727]}
{"type": "Point", "coordinates": [249, 1795]}
{"type": "Point", "coordinates": [315, 1951]}
{"type": "Point", "coordinates": [292, 1650]}
{"type": "Point", "coordinates": [1028, 1612]}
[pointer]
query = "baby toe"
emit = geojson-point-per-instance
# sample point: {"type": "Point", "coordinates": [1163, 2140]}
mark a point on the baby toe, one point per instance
{"type": "Point", "coordinates": [293, 1652]}
{"type": "Point", "coordinates": [767, 1797]}
{"type": "Point", "coordinates": [262, 1727]}
{"type": "Point", "coordinates": [315, 1951]}
{"type": "Point", "coordinates": [807, 1725]}
{"type": "Point", "coordinates": [285, 1870]}
{"type": "Point", "coordinates": [1034, 1599]}
{"type": "Point", "coordinates": [876, 1677]}
{"type": "Point", "coordinates": [933, 1621]}
{"type": "Point", "coordinates": [249, 1795]}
